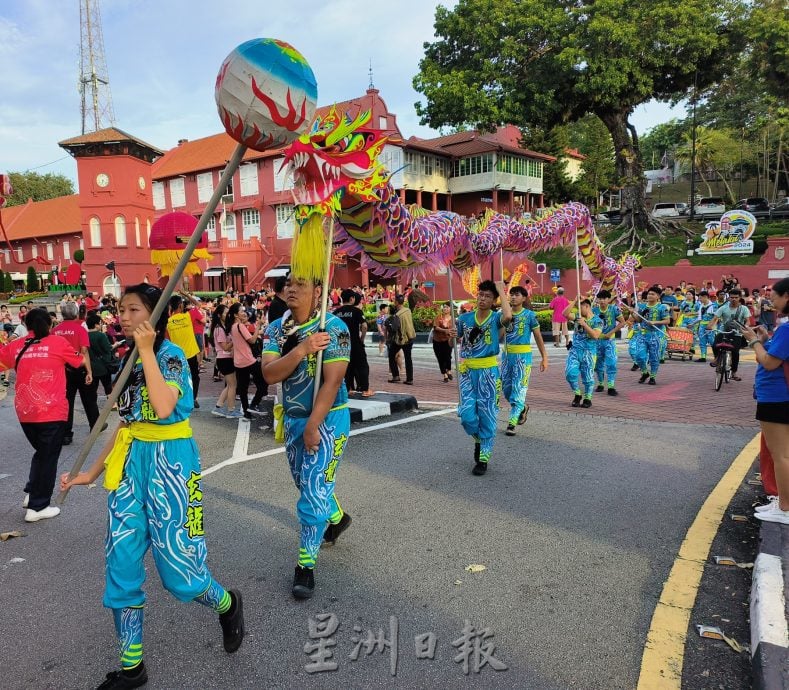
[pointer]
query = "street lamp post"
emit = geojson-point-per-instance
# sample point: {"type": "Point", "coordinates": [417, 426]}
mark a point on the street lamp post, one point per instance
{"type": "Point", "coordinates": [692, 213]}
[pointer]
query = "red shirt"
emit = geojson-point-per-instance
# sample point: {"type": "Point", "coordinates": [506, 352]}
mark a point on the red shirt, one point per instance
{"type": "Point", "coordinates": [41, 377]}
{"type": "Point", "coordinates": [73, 331]}
{"type": "Point", "coordinates": [198, 320]}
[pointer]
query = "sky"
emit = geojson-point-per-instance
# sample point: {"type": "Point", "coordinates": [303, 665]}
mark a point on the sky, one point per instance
{"type": "Point", "coordinates": [163, 55]}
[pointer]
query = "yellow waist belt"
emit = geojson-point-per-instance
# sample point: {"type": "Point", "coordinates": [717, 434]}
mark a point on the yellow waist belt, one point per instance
{"type": "Point", "coordinates": [138, 431]}
{"type": "Point", "coordinates": [478, 363]}
{"type": "Point", "coordinates": [518, 349]}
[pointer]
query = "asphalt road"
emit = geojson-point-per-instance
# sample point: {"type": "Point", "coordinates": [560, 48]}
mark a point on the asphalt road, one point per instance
{"type": "Point", "coordinates": [577, 523]}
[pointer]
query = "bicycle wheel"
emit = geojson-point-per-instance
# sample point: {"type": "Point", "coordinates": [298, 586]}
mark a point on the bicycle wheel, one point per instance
{"type": "Point", "coordinates": [719, 374]}
{"type": "Point", "coordinates": [727, 366]}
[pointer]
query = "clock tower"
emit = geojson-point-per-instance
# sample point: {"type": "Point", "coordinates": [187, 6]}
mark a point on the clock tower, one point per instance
{"type": "Point", "coordinates": [116, 207]}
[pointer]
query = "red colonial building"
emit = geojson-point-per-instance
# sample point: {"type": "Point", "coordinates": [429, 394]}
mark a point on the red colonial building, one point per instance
{"type": "Point", "coordinates": [126, 183]}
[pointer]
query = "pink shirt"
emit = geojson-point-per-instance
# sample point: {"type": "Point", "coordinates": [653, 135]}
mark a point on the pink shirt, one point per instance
{"type": "Point", "coordinates": [220, 338]}
{"type": "Point", "coordinates": [73, 331]}
{"type": "Point", "coordinates": [559, 304]}
{"type": "Point", "coordinates": [41, 377]}
{"type": "Point", "coordinates": [242, 352]}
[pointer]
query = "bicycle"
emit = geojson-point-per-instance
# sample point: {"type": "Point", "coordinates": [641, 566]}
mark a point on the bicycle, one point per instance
{"type": "Point", "coordinates": [726, 342]}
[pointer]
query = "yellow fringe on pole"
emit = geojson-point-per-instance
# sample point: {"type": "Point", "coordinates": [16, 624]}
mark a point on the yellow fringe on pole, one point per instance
{"type": "Point", "coordinates": [308, 252]}
{"type": "Point", "coordinates": [167, 260]}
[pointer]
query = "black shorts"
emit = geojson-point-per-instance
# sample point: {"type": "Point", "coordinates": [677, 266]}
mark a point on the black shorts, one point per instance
{"type": "Point", "coordinates": [225, 365]}
{"type": "Point", "coordinates": [774, 412]}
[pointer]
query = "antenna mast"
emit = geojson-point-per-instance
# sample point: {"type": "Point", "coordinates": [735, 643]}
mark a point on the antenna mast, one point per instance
{"type": "Point", "coordinates": [94, 81]}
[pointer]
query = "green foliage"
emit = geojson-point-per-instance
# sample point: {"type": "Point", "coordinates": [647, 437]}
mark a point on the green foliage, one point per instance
{"type": "Point", "coordinates": [544, 317]}
{"type": "Point", "coordinates": [591, 138]}
{"type": "Point", "coordinates": [209, 294]}
{"type": "Point", "coordinates": [31, 282]}
{"type": "Point", "coordinates": [79, 256]}
{"type": "Point", "coordinates": [32, 185]}
{"type": "Point", "coordinates": [768, 33]}
{"type": "Point", "coordinates": [8, 283]}
{"type": "Point", "coordinates": [662, 140]}
{"type": "Point", "coordinates": [556, 185]}
{"type": "Point", "coordinates": [424, 317]}
{"type": "Point", "coordinates": [25, 297]}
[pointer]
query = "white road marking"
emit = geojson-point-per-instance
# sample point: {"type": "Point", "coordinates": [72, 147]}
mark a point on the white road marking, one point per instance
{"type": "Point", "coordinates": [241, 445]}
{"type": "Point", "coordinates": [237, 459]}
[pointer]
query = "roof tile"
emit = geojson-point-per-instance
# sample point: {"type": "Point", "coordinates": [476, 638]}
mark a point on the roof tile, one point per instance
{"type": "Point", "coordinates": [59, 216]}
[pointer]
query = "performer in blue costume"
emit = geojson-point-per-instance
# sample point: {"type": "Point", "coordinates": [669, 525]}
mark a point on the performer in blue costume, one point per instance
{"type": "Point", "coordinates": [582, 355]}
{"type": "Point", "coordinates": [705, 314]}
{"type": "Point", "coordinates": [688, 317]}
{"type": "Point", "coordinates": [516, 360]}
{"type": "Point", "coordinates": [654, 317]}
{"type": "Point", "coordinates": [315, 434]}
{"type": "Point", "coordinates": [153, 473]}
{"type": "Point", "coordinates": [613, 321]}
{"type": "Point", "coordinates": [480, 384]}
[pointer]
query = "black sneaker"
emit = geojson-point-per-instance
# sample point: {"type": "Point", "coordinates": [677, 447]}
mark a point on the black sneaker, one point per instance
{"type": "Point", "coordinates": [232, 622]}
{"type": "Point", "coordinates": [701, 359]}
{"type": "Point", "coordinates": [476, 451]}
{"type": "Point", "coordinates": [197, 405]}
{"type": "Point", "coordinates": [652, 381]}
{"type": "Point", "coordinates": [577, 401]}
{"type": "Point", "coordinates": [613, 391]}
{"type": "Point", "coordinates": [662, 360]}
{"type": "Point", "coordinates": [510, 430]}
{"type": "Point", "coordinates": [634, 367]}
{"type": "Point", "coordinates": [586, 403]}
{"type": "Point", "coordinates": [117, 680]}
{"type": "Point", "coordinates": [479, 468]}
{"type": "Point", "coordinates": [643, 378]}
{"type": "Point", "coordinates": [523, 415]}
{"type": "Point", "coordinates": [334, 531]}
{"type": "Point", "coordinates": [303, 583]}
{"type": "Point", "coordinates": [600, 388]}
{"type": "Point", "coordinates": [68, 440]}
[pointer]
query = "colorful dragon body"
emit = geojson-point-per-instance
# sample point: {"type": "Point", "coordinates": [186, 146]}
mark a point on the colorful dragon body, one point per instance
{"type": "Point", "coordinates": [336, 173]}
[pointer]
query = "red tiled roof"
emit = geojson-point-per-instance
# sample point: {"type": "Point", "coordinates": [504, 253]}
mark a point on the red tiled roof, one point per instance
{"type": "Point", "coordinates": [41, 219]}
{"type": "Point", "coordinates": [575, 153]}
{"type": "Point", "coordinates": [470, 143]}
{"type": "Point", "coordinates": [101, 136]}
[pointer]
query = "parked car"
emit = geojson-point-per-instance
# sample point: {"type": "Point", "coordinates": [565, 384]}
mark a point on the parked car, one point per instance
{"type": "Point", "coordinates": [614, 216]}
{"type": "Point", "coordinates": [753, 204]}
{"type": "Point", "coordinates": [663, 209]}
{"type": "Point", "coordinates": [710, 206]}
{"type": "Point", "coordinates": [780, 211]}
{"type": "Point", "coordinates": [683, 208]}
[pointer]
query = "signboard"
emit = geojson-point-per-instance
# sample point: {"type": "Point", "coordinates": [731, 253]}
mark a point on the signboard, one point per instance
{"type": "Point", "coordinates": [555, 273]}
{"type": "Point", "coordinates": [428, 284]}
{"type": "Point", "coordinates": [729, 235]}
{"type": "Point", "coordinates": [541, 268]}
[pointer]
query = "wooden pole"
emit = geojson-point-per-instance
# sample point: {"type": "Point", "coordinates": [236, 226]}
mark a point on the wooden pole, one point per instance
{"type": "Point", "coordinates": [324, 306]}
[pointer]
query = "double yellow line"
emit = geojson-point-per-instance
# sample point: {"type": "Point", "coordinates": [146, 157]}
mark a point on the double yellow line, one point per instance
{"type": "Point", "coordinates": [661, 665]}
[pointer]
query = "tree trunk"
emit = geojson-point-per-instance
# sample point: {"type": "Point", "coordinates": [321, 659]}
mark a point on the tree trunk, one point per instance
{"type": "Point", "coordinates": [637, 225]}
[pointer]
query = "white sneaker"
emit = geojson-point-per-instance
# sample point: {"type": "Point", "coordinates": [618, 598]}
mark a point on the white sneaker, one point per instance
{"type": "Point", "coordinates": [775, 514]}
{"type": "Point", "coordinates": [43, 514]}
{"type": "Point", "coordinates": [771, 500]}
{"type": "Point", "coordinates": [25, 500]}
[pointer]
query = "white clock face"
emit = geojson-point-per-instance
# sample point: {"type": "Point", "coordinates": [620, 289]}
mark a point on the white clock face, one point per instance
{"type": "Point", "coordinates": [102, 179]}
{"type": "Point", "coordinates": [141, 182]}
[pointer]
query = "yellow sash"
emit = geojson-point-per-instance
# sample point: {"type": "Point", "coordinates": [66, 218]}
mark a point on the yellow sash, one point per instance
{"type": "Point", "coordinates": [518, 349]}
{"type": "Point", "coordinates": [138, 431]}
{"type": "Point", "coordinates": [478, 363]}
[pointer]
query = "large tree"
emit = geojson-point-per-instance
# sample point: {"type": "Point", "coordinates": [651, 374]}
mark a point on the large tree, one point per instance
{"type": "Point", "coordinates": [547, 62]}
{"type": "Point", "coordinates": [32, 185]}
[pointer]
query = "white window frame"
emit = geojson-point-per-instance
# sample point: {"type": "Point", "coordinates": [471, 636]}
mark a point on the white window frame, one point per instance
{"type": "Point", "coordinates": [7, 253]}
{"type": "Point", "coordinates": [248, 175]}
{"type": "Point", "coordinates": [50, 251]}
{"type": "Point", "coordinates": [283, 182]}
{"type": "Point", "coordinates": [67, 250]}
{"type": "Point", "coordinates": [120, 232]}
{"type": "Point", "coordinates": [250, 223]}
{"type": "Point", "coordinates": [177, 192]}
{"type": "Point", "coordinates": [210, 228]}
{"type": "Point", "coordinates": [148, 231]}
{"type": "Point", "coordinates": [157, 191]}
{"type": "Point", "coordinates": [205, 187]}
{"type": "Point", "coordinates": [34, 250]}
{"type": "Point", "coordinates": [286, 223]}
{"type": "Point", "coordinates": [229, 226]}
{"type": "Point", "coordinates": [20, 254]}
{"type": "Point", "coordinates": [137, 237]}
{"type": "Point", "coordinates": [95, 231]}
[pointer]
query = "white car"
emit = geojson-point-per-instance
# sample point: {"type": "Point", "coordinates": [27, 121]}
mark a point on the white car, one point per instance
{"type": "Point", "coordinates": [664, 209]}
{"type": "Point", "coordinates": [710, 206]}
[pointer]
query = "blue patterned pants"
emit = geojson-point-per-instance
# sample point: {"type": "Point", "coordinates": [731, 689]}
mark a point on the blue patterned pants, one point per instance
{"type": "Point", "coordinates": [606, 361]}
{"type": "Point", "coordinates": [158, 505]}
{"type": "Point", "coordinates": [515, 375]}
{"type": "Point", "coordinates": [479, 406]}
{"type": "Point", "coordinates": [314, 476]}
{"type": "Point", "coordinates": [650, 351]}
{"type": "Point", "coordinates": [706, 338]}
{"type": "Point", "coordinates": [580, 364]}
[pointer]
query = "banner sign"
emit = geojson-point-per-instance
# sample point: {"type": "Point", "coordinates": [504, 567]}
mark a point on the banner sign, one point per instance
{"type": "Point", "coordinates": [729, 235]}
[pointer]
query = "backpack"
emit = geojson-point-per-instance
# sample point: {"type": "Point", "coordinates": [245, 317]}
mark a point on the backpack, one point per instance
{"type": "Point", "coordinates": [392, 327]}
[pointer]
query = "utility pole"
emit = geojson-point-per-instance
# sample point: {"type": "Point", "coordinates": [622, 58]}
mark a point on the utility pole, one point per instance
{"type": "Point", "coordinates": [94, 81]}
{"type": "Point", "coordinates": [692, 213]}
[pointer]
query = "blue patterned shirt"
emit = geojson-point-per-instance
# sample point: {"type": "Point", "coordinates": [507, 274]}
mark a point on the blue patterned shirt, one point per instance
{"type": "Point", "coordinates": [478, 339]}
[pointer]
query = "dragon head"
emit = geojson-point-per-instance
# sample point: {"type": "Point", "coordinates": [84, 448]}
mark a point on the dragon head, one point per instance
{"type": "Point", "coordinates": [336, 156]}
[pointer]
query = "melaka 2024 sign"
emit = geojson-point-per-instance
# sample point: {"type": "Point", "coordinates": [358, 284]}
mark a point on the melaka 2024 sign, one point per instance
{"type": "Point", "coordinates": [730, 235]}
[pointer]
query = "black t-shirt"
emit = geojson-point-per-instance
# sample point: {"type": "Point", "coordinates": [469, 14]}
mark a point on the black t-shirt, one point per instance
{"type": "Point", "coordinates": [353, 318]}
{"type": "Point", "coordinates": [276, 309]}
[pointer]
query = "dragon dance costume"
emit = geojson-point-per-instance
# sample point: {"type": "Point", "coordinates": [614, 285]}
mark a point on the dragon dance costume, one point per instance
{"type": "Point", "coordinates": [581, 359]}
{"type": "Point", "coordinates": [480, 383]}
{"type": "Point", "coordinates": [706, 338]}
{"type": "Point", "coordinates": [606, 347]}
{"type": "Point", "coordinates": [313, 473]}
{"type": "Point", "coordinates": [688, 318]}
{"type": "Point", "coordinates": [155, 501]}
{"type": "Point", "coordinates": [517, 360]}
{"type": "Point", "coordinates": [653, 338]}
